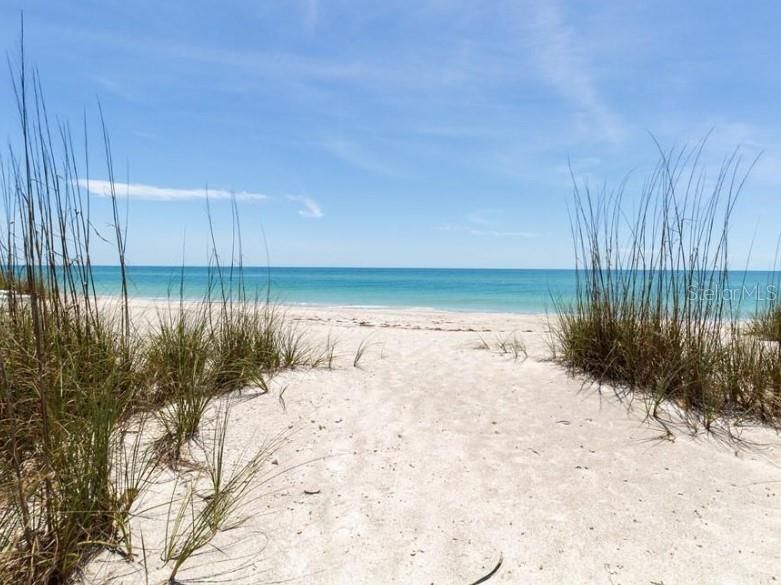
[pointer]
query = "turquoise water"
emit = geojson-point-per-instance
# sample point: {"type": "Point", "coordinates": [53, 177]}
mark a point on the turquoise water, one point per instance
{"type": "Point", "coordinates": [516, 291]}
{"type": "Point", "coordinates": [524, 291]}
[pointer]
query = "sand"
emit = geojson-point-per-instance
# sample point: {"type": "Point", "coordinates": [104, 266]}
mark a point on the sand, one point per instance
{"type": "Point", "coordinates": [433, 459]}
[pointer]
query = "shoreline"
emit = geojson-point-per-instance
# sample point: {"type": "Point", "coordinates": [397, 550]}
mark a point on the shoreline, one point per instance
{"type": "Point", "coordinates": [309, 306]}
{"type": "Point", "coordinates": [549, 316]}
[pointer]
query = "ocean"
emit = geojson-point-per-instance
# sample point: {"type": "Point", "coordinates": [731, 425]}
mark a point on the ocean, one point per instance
{"type": "Point", "coordinates": [491, 290]}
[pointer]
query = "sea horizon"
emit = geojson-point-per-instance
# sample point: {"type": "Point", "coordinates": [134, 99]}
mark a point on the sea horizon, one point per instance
{"type": "Point", "coordinates": [494, 290]}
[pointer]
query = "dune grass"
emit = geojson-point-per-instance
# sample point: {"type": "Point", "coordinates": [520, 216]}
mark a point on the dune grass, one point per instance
{"type": "Point", "coordinates": [656, 313]}
{"type": "Point", "coordinates": [196, 517]}
{"type": "Point", "coordinates": [768, 325]}
{"type": "Point", "coordinates": [10, 280]}
{"type": "Point", "coordinates": [509, 344]}
{"type": "Point", "coordinates": [360, 351]}
{"type": "Point", "coordinates": [177, 362]}
{"type": "Point", "coordinates": [512, 345]}
{"type": "Point", "coordinates": [203, 349]}
{"type": "Point", "coordinates": [78, 378]}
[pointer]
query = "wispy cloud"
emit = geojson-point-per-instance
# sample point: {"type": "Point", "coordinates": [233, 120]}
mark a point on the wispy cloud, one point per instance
{"type": "Point", "coordinates": [383, 73]}
{"type": "Point", "coordinates": [486, 223]}
{"type": "Point", "coordinates": [102, 188]}
{"type": "Point", "coordinates": [564, 63]}
{"type": "Point", "coordinates": [489, 233]}
{"type": "Point", "coordinates": [311, 14]}
{"type": "Point", "coordinates": [484, 217]}
{"type": "Point", "coordinates": [311, 207]}
{"type": "Point", "coordinates": [358, 156]}
{"type": "Point", "coordinates": [120, 89]}
{"type": "Point", "coordinates": [501, 234]}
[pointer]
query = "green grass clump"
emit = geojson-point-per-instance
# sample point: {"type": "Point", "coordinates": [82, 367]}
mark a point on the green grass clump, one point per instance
{"type": "Point", "coordinates": [69, 367]}
{"type": "Point", "coordinates": [767, 324]}
{"type": "Point", "coordinates": [77, 378]}
{"type": "Point", "coordinates": [203, 349]}
{"type": "Point", "coordinates": [507, 345]}
{"type": "Point", "coordinates": [653, 313]}
{"type": "Point", "coordinates": [251, 340]}
{"type": "Point", "coordinates": [177, 363]}
{"type": "Point", "coordinates": [11, 280]}
{"type": "Point", "coordinates": [61, 405]}
{"type": "Point", "coordinates": [196, 519]}
{"type": "Point", "coordinates": [177, 353]}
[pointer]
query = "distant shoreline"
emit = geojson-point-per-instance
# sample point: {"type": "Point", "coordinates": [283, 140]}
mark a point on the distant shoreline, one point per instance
{"type": "Point", "coordinates": [159, 302]}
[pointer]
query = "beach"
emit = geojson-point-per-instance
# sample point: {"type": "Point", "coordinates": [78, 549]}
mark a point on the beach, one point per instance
{"type": "Point", "coordinates": [439, 457]}
{"type": "Point", "coordinates": [447, 293]}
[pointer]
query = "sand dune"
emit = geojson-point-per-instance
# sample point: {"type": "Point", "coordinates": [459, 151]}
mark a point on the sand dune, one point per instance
{"type": "Point", "coordinates": [434, 459]}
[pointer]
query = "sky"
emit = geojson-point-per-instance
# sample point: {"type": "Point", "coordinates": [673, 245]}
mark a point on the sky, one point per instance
{"type": "Point", "coordinates": [428, 133]}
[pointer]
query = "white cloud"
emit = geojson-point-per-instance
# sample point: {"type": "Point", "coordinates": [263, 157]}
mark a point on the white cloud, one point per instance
{"type": "Point", "coordinates": [357, 156]}
{"type": "Point", "coordinates": [384, 73]}
{"type": "Point", "coordinates": [486, 223]}
{"type": "Point", "coordinates": [154, 193]}
{"type": "Point", "coordinates": [311, 208]}
{"type": "Point", "coordinates": [564, 63]}
{"type": "Point", "coordinates": [311, 13]}
{"type": "Point", "coordinates": [488, 233]}
{"type": "Point", "coordinates": [501, 234]}
{"type": "Point", "coordinates": [484, 217]}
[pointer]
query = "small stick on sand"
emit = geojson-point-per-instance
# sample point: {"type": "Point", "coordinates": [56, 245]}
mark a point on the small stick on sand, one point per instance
{"type": "Point", "coordinates": [491, 574]}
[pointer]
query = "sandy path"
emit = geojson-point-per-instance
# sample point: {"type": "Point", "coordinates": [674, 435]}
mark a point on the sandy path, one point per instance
{"type": "Point", "coordinates": [433, 459]}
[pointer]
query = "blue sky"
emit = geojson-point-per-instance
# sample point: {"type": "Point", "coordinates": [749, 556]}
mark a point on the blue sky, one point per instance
{"type": "Point", "coordinates": [426, 133]}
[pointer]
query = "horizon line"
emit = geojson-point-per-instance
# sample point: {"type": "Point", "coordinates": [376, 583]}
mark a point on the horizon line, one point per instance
{"type": "Point", "coordinates": [393, 267]}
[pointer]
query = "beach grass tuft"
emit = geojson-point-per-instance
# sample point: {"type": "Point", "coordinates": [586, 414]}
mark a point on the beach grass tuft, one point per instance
{"type": "Point", "coordinates": [766, 324]}
{"type": "Point", "coordinates": [79, 380]}
{"type": "Point", "coordinates": [654, 312]}
{"type": "Point", "coordinates": [200, 514]}
{"type": "Point", "coordinates": [360, 351]}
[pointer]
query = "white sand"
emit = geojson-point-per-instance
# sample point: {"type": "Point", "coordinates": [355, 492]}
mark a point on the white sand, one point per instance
{"type": "Point", "coordinates": [434, 458]}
